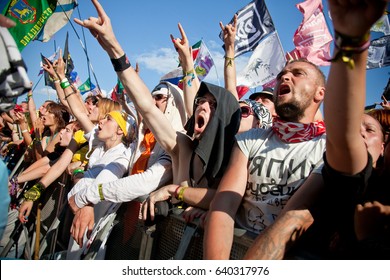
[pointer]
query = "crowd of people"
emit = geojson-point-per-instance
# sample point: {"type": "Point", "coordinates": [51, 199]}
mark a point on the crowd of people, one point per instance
{"type": "Point", "coordinates": [305, 185]}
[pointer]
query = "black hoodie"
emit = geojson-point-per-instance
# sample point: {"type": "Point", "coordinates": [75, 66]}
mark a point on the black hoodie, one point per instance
{"type": "Point", "coordinates": [215, 146]}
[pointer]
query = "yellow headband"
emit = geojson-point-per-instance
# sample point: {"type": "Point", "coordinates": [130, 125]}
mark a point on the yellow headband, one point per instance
{"type": "Point", "coordinates": [120, 118]}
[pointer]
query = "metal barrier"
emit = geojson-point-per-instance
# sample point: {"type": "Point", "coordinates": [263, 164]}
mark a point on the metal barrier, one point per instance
{"type": "Point", "coordinates": [173, 238]}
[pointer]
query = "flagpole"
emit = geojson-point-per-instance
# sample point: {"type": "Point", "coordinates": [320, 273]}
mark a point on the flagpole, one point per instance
{"type": "Point", "coordinates": [85, 42]}
{"type": "Point", "coordinates": [280, 43]}
{"type": "Point", "coordinates": [37, 82]}
{"type": "Point", "coordinates": [83, 47]}
{"type": "Point", "coordinates": [215, 67]}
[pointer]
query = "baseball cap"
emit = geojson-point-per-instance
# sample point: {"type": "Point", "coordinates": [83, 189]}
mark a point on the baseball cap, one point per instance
{"type": "Point", "coordinates": [266, 91]}
{"type": "Point", "coordinates": [160, 89]}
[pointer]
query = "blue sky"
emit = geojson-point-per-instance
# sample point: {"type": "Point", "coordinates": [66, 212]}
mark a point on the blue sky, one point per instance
{"type": "Point", "coordinates": [143, 29]}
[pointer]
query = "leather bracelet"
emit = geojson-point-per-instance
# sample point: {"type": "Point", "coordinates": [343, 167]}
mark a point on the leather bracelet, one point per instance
{"type": "Point", "coordinates": [120, 64]}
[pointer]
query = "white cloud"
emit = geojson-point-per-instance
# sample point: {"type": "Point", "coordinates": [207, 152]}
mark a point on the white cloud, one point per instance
{"type": "Point", "coordinates": [46, 91]}
{"type": "Point", "coordinates": [161, 61]}
{"type": "Point", "coordinates": [165, 60]}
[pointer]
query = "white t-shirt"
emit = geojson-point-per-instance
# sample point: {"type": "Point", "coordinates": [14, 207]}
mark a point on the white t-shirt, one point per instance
{"type": "Point", "coordinates": [276, 169]}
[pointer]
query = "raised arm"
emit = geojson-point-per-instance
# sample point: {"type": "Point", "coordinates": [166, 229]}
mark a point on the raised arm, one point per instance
{"type": "Point", "coordinates": [101, 29]}
{"type": "Point", "coordinates": [72, 96]}
{"type": "Point", "coordinates": [229, 36]}
{"type": "Point", "coordinates": [191, 82]}
{"type": "Point", "coordinates": [49, 68]}
{"type": "Point", "coordinates": [345, 98]}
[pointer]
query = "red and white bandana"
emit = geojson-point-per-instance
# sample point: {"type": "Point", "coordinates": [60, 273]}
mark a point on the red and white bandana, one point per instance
{"type": "Point", "coordinates": [291, 132]}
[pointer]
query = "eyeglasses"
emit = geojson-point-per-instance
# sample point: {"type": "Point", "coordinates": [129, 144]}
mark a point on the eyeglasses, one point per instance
{"type": "Point", "coordinates": [246, 111]}
{"type": "Point", "coordinates": [159, 97]}
{"type": "Point", "coordinates": [202, 100]}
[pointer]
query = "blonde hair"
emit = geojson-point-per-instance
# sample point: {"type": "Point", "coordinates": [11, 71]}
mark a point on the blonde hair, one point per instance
{"type": "Point", "coordinates": [106, 105]}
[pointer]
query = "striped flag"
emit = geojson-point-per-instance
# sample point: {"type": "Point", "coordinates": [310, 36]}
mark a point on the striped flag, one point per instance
{"type": "Point", "coordinates": [253, 23]}
{"type": "Point", "coordinates": [58, 19]}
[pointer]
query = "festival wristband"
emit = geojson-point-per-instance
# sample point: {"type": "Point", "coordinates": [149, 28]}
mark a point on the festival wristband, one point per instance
{"type": "Point", "coordinates": [345, 47]}
{"type": "Point", "coordinates": [100, 190]}
{"type": "Point", "coordinates": [64, 83]}
{"type": "Point", "coordinates": [180, 196]}
{"type": "Point", "coordinates": [120, 64]}
{"type": "Point", "coordinates": [35, 192]}
{"type": "Point", "coordinates": [229, 61]}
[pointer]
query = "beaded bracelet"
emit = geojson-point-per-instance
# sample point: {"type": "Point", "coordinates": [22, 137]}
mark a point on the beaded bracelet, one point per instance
{"type": "Point", "coordinates": [189, 74]}
{"type": "Point", "coordinates": [120, 64]}
{"type": "Point", "coordinates": [346, 46]}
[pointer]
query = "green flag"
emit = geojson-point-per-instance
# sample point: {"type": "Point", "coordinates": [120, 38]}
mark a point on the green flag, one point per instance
{"type": "Point", "coordinates": [86, 86]}
{"type": "Point", "coordinates": [29, 17]}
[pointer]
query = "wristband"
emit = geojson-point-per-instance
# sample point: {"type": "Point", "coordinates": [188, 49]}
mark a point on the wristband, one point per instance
{"type": "Point", "coordinates": [66, 96]}
{"type": "Point", "coordinates": [35, 192]}
{"type": "Point", "coordinates": [180, 196]}
{"type": "Point", "coordinates": [78, 171]}
{"type": "Point", "coordinates": [346, 46]}
{"type": "Point", "coordinates": [229, 61]}
{"type": "Point", "coordinates": [188, 73]}
{"type": "Point", "coordinates": [65, 83]}
{"type": "Point", "coordinates": [100, 190]}
{"type": "Point", "coordinates": [120, 64]}
{"type": "Point", "coordinates": [24, 130]}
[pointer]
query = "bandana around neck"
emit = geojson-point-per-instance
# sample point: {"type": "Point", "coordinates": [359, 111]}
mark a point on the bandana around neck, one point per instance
{"type": "Point", "coordinates": [291, 132]}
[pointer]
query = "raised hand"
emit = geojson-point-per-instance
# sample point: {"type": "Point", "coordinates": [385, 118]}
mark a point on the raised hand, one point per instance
{"type": "Point", "coordinates": [229, 32]}
{"type": "Point", "coordinates": [354, 18]}
{"type": "Point", "coordinates": [101, 28]}
{"type": "Point", "coordinates": [182, 47]}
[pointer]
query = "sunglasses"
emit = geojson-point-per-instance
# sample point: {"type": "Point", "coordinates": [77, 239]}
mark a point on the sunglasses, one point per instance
{"type": "Point", "coordinates": [159, 97]}
{"type": "Point", "coordinates": [246, 111]}
{"type": "Point", "coordinates": [202, 100]}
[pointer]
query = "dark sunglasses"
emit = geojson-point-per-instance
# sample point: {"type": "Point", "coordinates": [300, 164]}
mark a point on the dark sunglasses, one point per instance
{"type": "Point", "coordinates": [246, 111]}
{"type": "Point", "coordinates": [158, 97]}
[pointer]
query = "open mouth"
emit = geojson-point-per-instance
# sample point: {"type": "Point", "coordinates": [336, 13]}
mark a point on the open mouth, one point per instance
{"type": "Point", "coordinates": [200, 122]}
{"type": "Point", "coordinates": [284, 89]}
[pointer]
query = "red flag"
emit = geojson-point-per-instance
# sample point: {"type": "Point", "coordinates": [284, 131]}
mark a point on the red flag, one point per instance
{"type": "Point", "coordinates": [241, 91]}
{"type": "Point", "coordinates": [312, 38]}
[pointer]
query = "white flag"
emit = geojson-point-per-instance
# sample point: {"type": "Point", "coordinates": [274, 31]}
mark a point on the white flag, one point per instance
{"type": "Point", "coordinates": [382, 25]}
{"type": "Point", "coordinates": [265, 63]}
